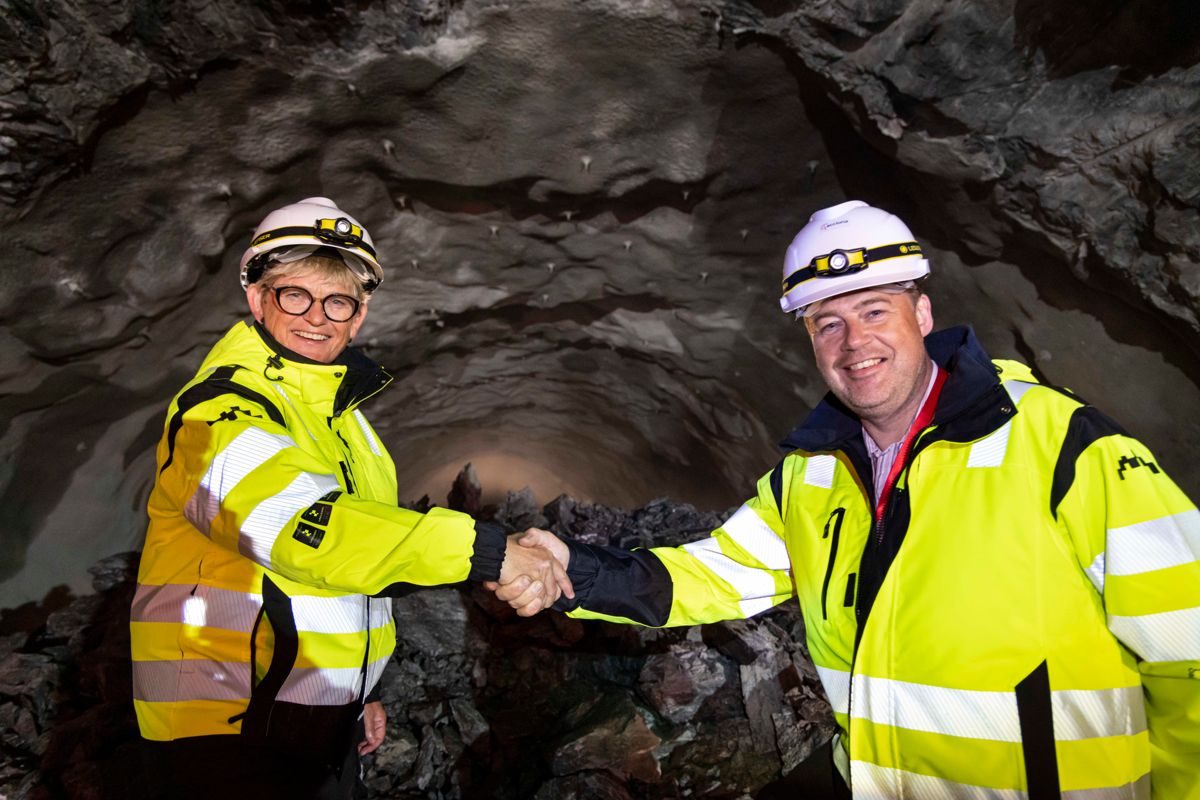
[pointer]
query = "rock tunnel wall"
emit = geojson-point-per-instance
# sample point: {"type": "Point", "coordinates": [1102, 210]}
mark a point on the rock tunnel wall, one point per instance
{"type": "Point", "coordinates": [582, 208]}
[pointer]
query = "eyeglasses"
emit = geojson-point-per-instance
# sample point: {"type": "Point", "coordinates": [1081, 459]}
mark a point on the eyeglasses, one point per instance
{"type": "Point", "coordinates": [296, 301]}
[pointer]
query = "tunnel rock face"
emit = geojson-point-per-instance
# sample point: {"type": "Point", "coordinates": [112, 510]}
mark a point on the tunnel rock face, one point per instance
{"type": "Point", "coordinates": [582, 209]}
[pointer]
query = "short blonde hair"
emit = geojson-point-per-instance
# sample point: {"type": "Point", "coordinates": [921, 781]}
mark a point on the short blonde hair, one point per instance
{"type": "Point", "coordinates": [331, 269]}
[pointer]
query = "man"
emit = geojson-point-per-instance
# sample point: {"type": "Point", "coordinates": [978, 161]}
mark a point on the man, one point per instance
{"type": "Point", "coordinates": [259, 630]}
{"type": "Point", "coordinates": [1000, 586]}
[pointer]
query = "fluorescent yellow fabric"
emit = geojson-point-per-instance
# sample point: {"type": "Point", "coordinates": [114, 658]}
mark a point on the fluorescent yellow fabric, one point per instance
{"type": "Point", "coordinates": [987, 585]}
{"type": "Point", "coordinates": [297, 491]}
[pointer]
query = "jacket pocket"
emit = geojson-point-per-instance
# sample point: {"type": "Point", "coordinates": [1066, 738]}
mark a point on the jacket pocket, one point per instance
{"type": "Point", "coordinates": [835, 523]}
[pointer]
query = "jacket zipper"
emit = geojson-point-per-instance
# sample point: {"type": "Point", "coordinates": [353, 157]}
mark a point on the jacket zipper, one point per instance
{"type": "Point", "coordinates": [878, 528]}
{"type": "Point", "coordinates": [839, 513]}
{"type": "Point", "coordinates": [347, 471]}
{"type": "Point", "coordinates": [362, 692]}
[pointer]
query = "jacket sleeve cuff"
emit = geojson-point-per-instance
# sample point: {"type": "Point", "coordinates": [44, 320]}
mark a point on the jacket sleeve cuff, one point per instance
{"type": "Point", "coordinates": [632, 585]}
{"type": "Point", "coordinates": [582, 569]}
{"type": "Point", "coordinates": [490, 541]}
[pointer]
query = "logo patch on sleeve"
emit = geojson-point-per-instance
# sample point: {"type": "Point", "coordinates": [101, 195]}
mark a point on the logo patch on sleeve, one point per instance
{"type": "Point", "coordinates": [1132, 462]}
{"type": "Point", "coordinates": [309, 535]}
{"type": "Point", "coordinates": [231, 415]}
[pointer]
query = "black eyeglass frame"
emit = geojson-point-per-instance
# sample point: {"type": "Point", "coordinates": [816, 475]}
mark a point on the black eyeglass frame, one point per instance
{"type": "Point", "coordinates": [278, 292]}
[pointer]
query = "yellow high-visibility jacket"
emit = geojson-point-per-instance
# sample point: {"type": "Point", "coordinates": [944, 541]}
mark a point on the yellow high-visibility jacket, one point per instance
{"type": "Point", "coordinates": [1023, 622]}
{"type": "Point", "coordinates": [272, 518]}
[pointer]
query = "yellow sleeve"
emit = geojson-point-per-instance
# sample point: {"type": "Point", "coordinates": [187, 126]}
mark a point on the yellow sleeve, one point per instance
{"type": "Point", "coordinates": [739, 571]}
{"type": "Point", "coordinates": [247, 486]}
{"type": "Point", "coordinates": [1137, 537]}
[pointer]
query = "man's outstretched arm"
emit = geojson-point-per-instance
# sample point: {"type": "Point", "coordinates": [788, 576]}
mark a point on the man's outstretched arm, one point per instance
{"type": "Point", "coordinates": [739, 571]}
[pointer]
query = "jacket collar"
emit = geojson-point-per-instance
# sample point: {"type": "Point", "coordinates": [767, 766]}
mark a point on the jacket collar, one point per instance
{"type": "Point", "coordinates": [972, 403]}
{"type": "Point", "coordinates": [330, 388]}
{"type": "Point", "coordinates": [350, 357]}
{"type": "Point", "coordinates": [360, 377]}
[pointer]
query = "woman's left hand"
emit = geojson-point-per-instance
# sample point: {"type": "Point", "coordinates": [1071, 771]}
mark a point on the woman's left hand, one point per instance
{"type": "Point", "coordinates": [375, 727]}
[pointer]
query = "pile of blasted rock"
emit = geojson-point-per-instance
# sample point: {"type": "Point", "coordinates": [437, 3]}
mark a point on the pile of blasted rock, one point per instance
{"type": "Point", "coordinates": [480, 702]}
{"type": "Point", "coordinates": [484, 703]}
{"type": "Point", "coordinates": [66, 715]}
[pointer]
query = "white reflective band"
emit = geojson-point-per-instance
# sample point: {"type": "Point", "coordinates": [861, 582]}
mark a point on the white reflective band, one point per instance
{"type": "Point", "coordinates": [1137, 790]}
{"type": "Point", "coordinates": [1169, 636]}
{"type": "Point", "coordinates": [884, 783]}
{"type": "Point", "coordinates": [210, 607]}
{"type": "Point", "coordinates": [1158, 544]}
{"type": "Point", "coordinates": [748, 582]}
{"type": "Point", "coordinates": [819, 471]}
{"type": "Point", "coordinates": [299, 416]}
{"type": "Point", "coordinates": [346, 614]}
{"type": "Point", "coordinates": [381, 611]}
{"type": "Point", "coordinates": [837, 687]}
{"type": "Point", "coordinates": [367, 432]}
{"type": "Point", "coordinates": [755, 606]}
{"type": "Point", "coordinates": [989, 451]}
{"type": "Point", "coordinates": [1017, 389]}
{"type": "Point", "coordinates": [223, 608]}
{"type": "Point", "coordinates": [322, 687]}
{"type": "Point", "coordinates": [974, 714]}
{"type": "Point", "coordinates": [1095, 573]}
{"type": "Point", "coordinates": [936, 709]}
{"type": "Point", "coordinates": [747, 529]}
{"type": "Point", "coordinates": [381, 617]}
{"type": "Point", "coordinates": [375, 671]}
{"type": "Point", "coordinates": [248, 451]}
{"type": "Point", "coordinates": [172, 681]}
{"type": "Point", "coordinates": [189, 604]}
{"type": "Point", "coordinates": [265, 522]}
{"type": "Point", "coordinates": [1095, 713]}
{"type": "Point", "coordinates": [873, 782]}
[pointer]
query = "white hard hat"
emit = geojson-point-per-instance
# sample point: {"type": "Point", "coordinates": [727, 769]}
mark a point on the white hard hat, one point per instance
{"type": "Point", "coordinates": [845, 248]}
{"type": "Point", "coordinates": [300, 229]}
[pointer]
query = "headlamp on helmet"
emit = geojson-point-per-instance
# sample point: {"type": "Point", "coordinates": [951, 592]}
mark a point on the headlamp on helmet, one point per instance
{"type": "Point", "coordinates": [339, 230]}
{"type": "Point", "coordinates": [300, 229]}
{"type": "Point", "coordinates": [843, 249]}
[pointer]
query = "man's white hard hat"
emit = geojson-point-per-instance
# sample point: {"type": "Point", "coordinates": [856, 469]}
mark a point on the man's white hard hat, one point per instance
{"type": "Point", "coordinates": [845, 248]}
{"type": "Point", "coordinates": [300, 229]}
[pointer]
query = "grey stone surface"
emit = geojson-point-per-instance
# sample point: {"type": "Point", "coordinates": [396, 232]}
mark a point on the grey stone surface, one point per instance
{"type": "Point", "coordinates": [609, 734]}
{"type": "Point", "coordinates": [676, 683]}
{"type": "Point", "coordinates": [480, 702]}
{"type": "Point", "coordinates": [414, 612]}
{"type": "Point", "coordinates": [582, 208]}
{"type": "Point", "coordinates": [583, 786]}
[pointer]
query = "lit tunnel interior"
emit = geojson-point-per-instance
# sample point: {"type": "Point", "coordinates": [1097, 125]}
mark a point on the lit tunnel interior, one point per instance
{"type": "Point", "coordinates": [582, 244]}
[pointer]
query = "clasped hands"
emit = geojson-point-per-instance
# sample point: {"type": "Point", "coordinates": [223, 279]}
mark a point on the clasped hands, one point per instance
{"type": "Point", "coordinates": [534, 573]}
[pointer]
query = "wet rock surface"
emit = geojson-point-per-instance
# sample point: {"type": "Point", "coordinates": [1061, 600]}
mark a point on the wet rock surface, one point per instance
{"type": "Point", "coordinates": [481, 703]}
{"type": "Point", "coordinates": [582, 207]}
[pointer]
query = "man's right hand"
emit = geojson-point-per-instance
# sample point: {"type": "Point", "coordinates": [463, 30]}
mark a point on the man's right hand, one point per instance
{"type": "Point", "coordinates": [530, 591]}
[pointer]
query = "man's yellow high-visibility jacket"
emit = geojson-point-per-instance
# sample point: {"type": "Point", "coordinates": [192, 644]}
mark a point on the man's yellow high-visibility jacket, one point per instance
{"type": "Point", "coordinates": [272, 520]}
{"type": "Point", "coordinates": [1023, 622]}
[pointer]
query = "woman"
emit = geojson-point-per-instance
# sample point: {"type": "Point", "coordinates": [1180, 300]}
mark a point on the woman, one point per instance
{"type": "Point", "coordinates": [258, 635]}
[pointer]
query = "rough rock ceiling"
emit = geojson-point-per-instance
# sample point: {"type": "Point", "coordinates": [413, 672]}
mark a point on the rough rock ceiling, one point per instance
{"type": "Point", "coordinates": [582, 207]}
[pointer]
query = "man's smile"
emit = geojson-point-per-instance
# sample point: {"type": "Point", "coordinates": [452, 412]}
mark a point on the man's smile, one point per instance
{"type": "Point", "coordinates": [858, 366]}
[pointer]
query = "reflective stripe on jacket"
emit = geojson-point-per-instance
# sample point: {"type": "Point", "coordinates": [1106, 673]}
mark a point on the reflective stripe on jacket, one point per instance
{"type": "Point", "coordinates": [273, 514]}
{"type": "Point", "coordinates": [1024, 621]}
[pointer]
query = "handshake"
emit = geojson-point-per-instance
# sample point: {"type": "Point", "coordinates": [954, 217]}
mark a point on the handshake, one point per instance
{"type": "Point", "coordinates": [534, 573]}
